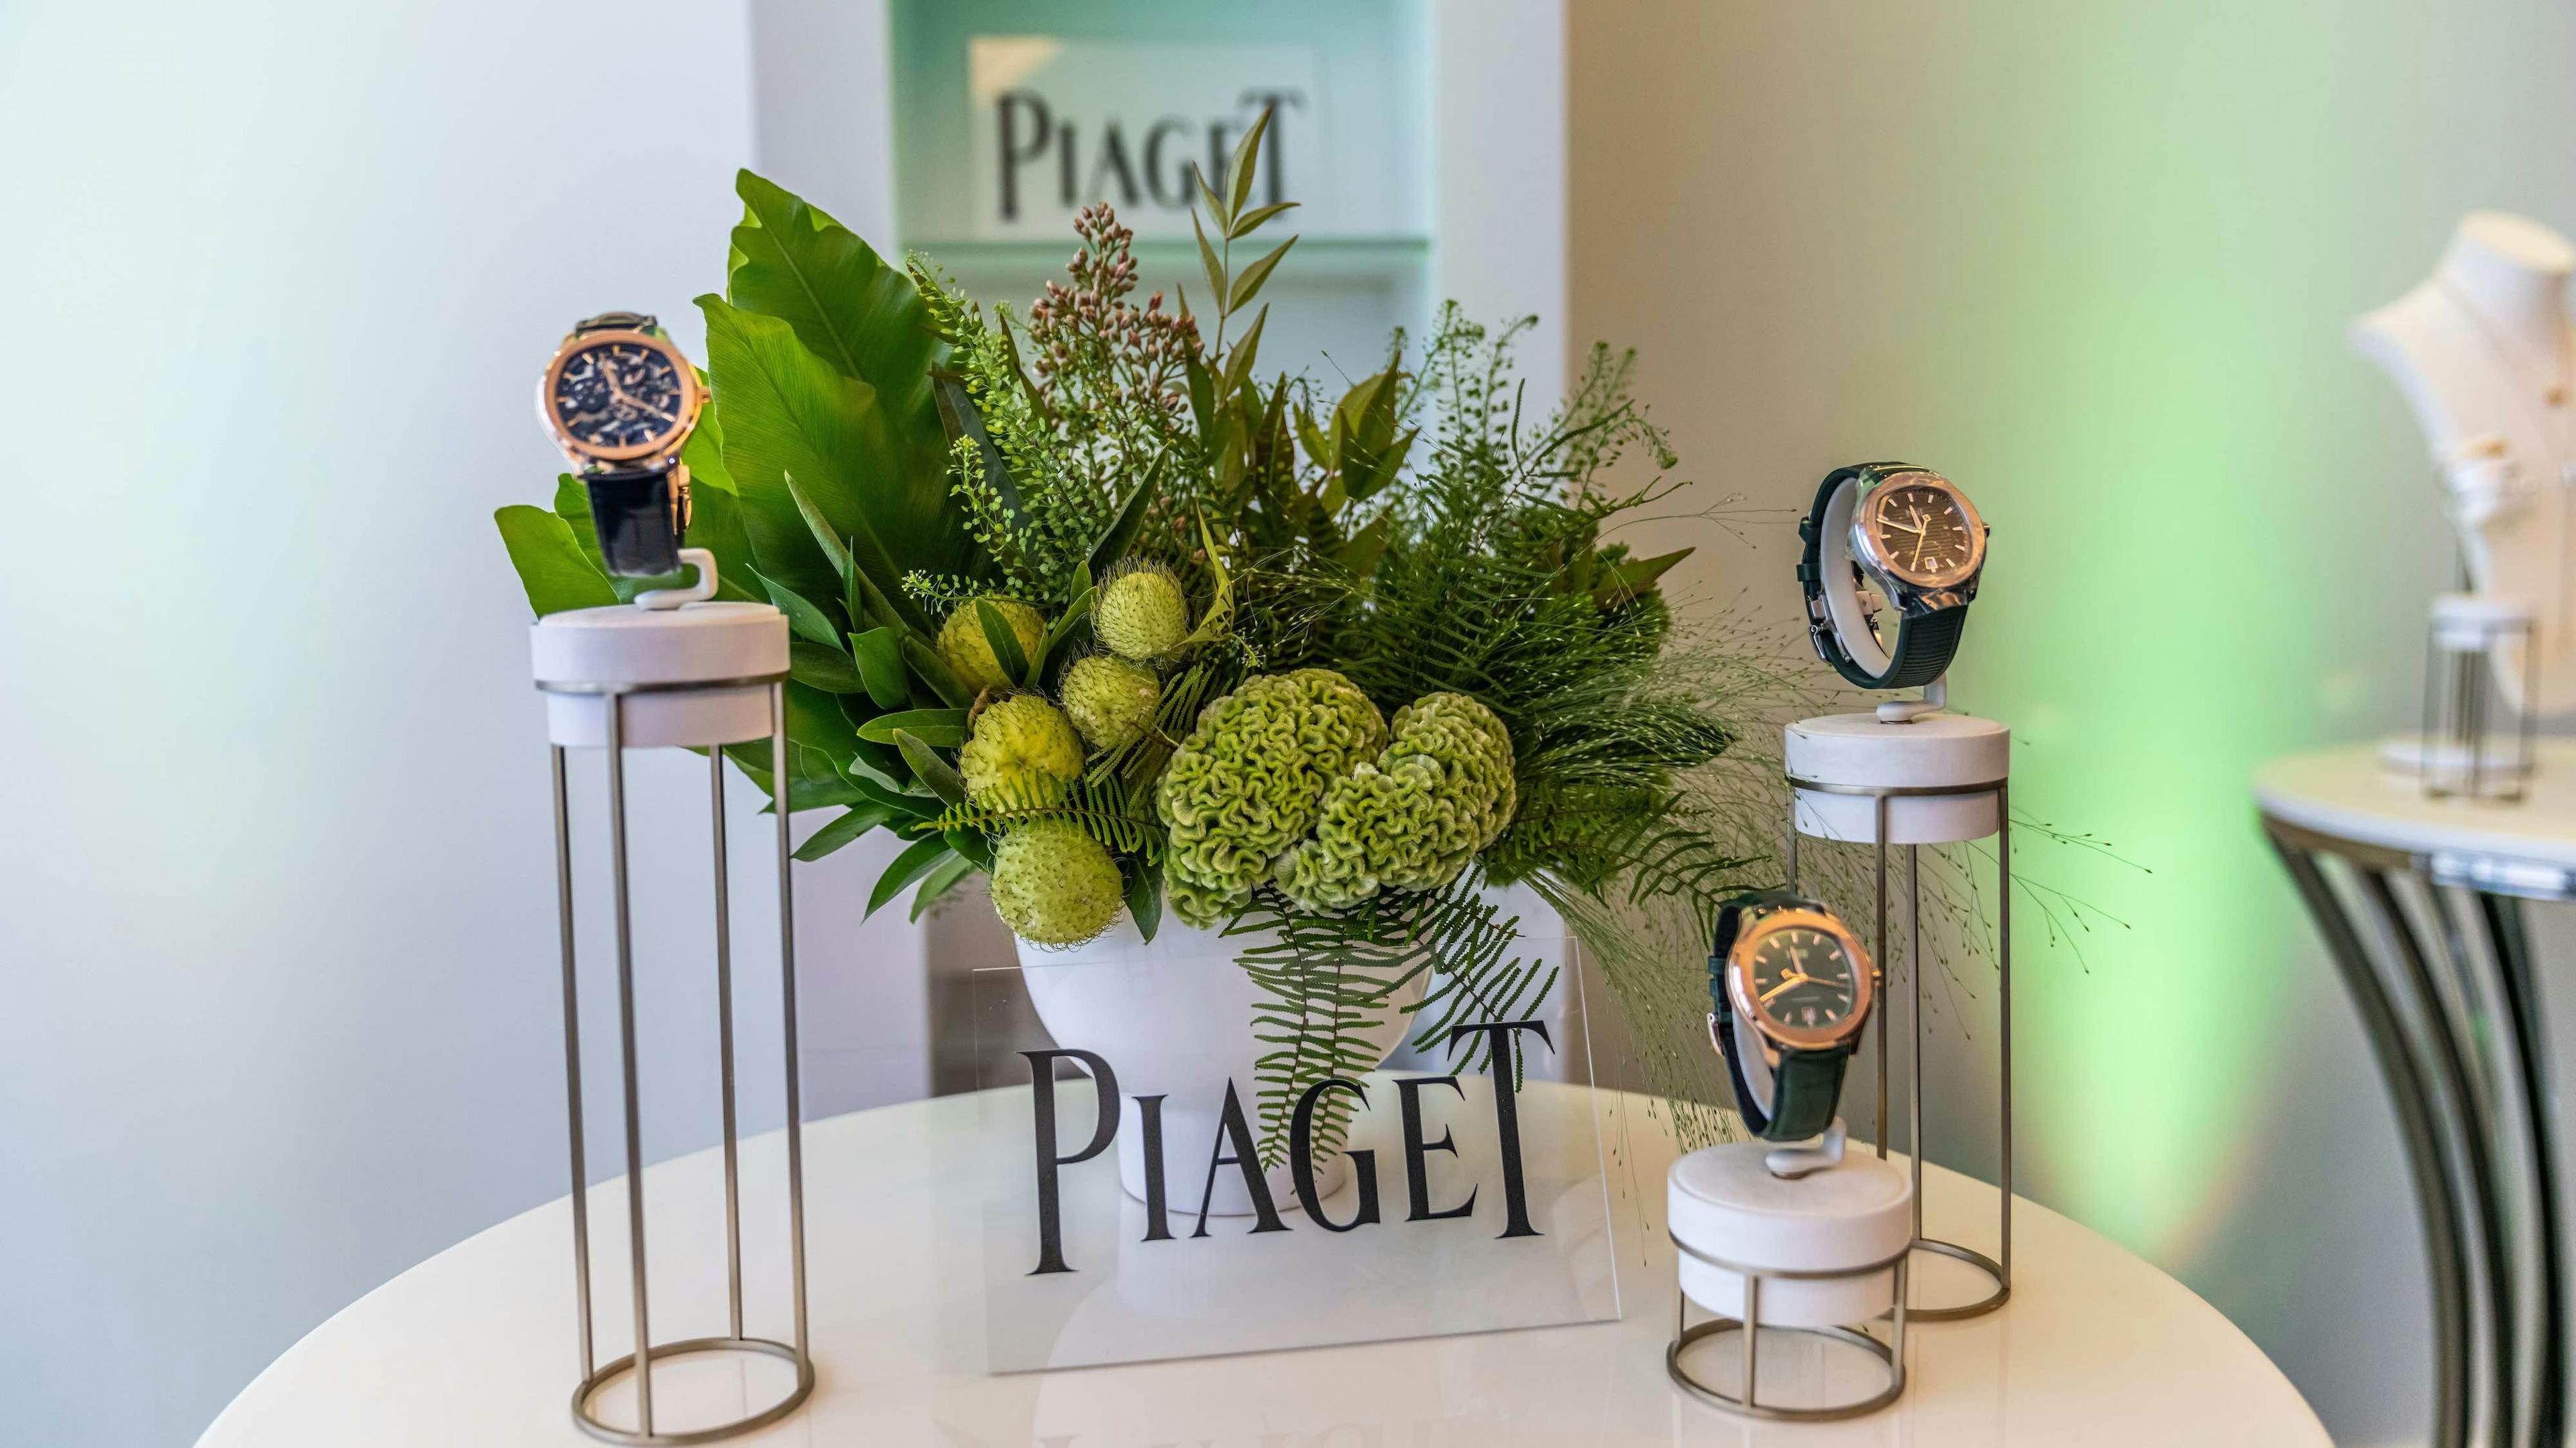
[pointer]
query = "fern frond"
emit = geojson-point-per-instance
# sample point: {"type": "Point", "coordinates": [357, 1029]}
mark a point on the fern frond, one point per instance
{"type": "Point", "coordinates": [1329, 979]}
{"type": "Point", "coordinates": [1106, 812]}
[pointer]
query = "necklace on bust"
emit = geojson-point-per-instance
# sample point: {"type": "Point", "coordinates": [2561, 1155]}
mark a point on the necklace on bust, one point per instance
{"type": "Point", "coordinates": [2562, 362]}
{"type": "Point", "coordinates": [2551, 421]}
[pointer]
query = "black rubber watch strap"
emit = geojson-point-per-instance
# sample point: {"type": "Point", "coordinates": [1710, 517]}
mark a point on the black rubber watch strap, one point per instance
{"type": "Point", "coordinates": [1811, 579]}
{"type": "Point", "coordinates": [1925, 642]}
{"type": "Point", "coordinates": [619, 322]}
{"type": "Point", "coordinates": [1925, 645]}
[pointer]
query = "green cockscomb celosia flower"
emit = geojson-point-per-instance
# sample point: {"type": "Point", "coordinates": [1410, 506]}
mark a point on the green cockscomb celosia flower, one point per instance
{"type": "Point", "coordinates": [1193, 906]}
{"type": "Point", "coordinates": [969, 655]}
{"type": "Point", "coordinates": [1055, 885]}
{"type": "Point", "coordinates": [1464, 735]}
{"type": "Point", "coordinates": [1244, 788]}
{"type": "Point", "coordinates": [1021, 752]}
{"type": "Point", "coordinates": [1143, 613]}
{"type": "Point", "coordinates": [1413, 818]}
{"type": "Point", "coordinates": [1111, 699]}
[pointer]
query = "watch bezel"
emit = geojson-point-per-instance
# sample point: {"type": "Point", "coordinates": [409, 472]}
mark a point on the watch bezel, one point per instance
{"type": "Point", "coordinates": [1864, 538]}
{"type": "Point", "coordinates": [693, 397]}
{"type": "Point", "coordinates": [1739, 979]}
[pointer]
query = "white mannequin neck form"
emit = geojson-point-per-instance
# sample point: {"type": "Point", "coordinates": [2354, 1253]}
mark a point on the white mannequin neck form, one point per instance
{"type": "Point", "coordinates": [2477, 349]}
{"type": "Point", "coordinates": [2514, 271]}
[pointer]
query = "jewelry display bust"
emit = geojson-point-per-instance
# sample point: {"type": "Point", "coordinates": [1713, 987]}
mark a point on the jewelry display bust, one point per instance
{"type": "Point", "coordinates": [2483, 351]}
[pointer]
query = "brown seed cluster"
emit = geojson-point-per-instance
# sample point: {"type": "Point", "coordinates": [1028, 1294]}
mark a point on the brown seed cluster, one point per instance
{"type": "Point", "coordinates": [1091, 337]}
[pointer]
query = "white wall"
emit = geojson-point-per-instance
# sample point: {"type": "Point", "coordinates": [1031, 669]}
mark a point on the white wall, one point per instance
{"type": "Point", "coordinates": [1499, 122]}
{"type": "Point", "coordinates": [278, 999]}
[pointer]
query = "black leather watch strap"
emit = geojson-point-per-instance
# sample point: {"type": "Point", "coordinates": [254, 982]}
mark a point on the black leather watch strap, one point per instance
{"type": "Point", "coordinates": [637, 512]}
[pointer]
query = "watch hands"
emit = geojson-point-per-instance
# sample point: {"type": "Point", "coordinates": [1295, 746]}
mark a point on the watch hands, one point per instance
{"type": "Point", "coordinates": [619, 393]}
{"type": "Point", "coordinates": [1793, 978]}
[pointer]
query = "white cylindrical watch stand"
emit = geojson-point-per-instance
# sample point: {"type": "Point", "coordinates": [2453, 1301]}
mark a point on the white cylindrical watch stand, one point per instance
{"type": "Point", "coordinates": [1931, 779]}
{"type": "Point", "coordinates": [1822, 1253]}
{"type": "Point", "coordinates": [672, 669]}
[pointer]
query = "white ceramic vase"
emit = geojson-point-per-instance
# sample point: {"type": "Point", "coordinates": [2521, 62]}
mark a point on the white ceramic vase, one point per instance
{"type": "Point", "coordinates": [1174, 1018]}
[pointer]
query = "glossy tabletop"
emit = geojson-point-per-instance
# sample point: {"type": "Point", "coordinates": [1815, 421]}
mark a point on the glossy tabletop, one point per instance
{"type": "Point", "coordinates": [474, 1348]}
{"type": "Point", "coordinates": [2525, 846]}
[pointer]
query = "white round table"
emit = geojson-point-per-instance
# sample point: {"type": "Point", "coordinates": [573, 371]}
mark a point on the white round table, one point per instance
{"type": "Point", "coordinates": [474, 1348]}
{"type": "Point", "coordinates": [2420, 900]}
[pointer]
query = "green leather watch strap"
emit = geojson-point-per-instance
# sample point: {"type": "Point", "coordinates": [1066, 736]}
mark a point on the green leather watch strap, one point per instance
{"type": "Point", "coordinates": [1807, 1086]}
{"type": "Point", "coordinates": [1806, 1090]}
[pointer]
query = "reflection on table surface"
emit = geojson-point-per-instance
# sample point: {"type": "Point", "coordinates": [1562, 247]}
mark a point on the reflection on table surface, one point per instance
{"type": "Point", "coordinates": [476, 1346]}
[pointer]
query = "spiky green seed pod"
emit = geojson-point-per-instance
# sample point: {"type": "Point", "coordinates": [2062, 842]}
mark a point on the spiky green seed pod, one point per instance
{"type": "Point", "coordinates": [1055, 885]}
{"type": "Point", "coordinates": [1246, 784]}
{"type": "Point", "coordinates": [1022, 752]}
{"type": "Point", "coordinates": [1143, 614]}
{"type": "Point", "coordinates": [1111, 700]}
{"type": "Point", "coordinates": [969, 655]}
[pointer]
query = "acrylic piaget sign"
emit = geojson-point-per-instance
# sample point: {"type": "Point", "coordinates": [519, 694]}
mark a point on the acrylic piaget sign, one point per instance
{"type": "Point", "coordinates": [1125, 1223]}
{"type": "Point", "coordinates": [1060, 123]}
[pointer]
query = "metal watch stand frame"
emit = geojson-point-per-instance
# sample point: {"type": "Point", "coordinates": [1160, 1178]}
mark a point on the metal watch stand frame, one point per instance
{"type": "Point", "coordinates": [597, 1375]}
{"type": "Point", "coordinates": [2000, 1271]}
{"type": "Point", "coordinates": [1745, 1401]}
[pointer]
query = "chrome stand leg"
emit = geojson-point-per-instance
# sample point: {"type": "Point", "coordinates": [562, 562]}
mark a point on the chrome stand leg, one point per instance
{"type": "Point", "coordinates": [1997, 1268]}
{"type": "Point", "coordinates": [787, 1001]}
{"type": "Point", "coordinates": [2411, 1097]}
{"type": "Point", "coordinates": [1889, 1350]}
{"type": "Point", "coordinates": [724, 1044]}
{"type": "Point", "coordinates": [2448, 1040]}
{"type": "Point", "coordinates": [2501, 918]}
{"type": "Point", "coordinates": [615, 708]}
{"type": "Point", "coordinates": [1896, 1340]}
{"type": "Point", "coordinates": [2004, 1020]}
{"type": "Point", "coordinates": [1878, 960]}
{"type": "Point", "coordinates": [572, 1066]}
{"type": "Point", "coordinates": [1752, 1335]}
{"type": "Point", "coordinates": [738, 1343]}
{"type": "Point", "coordinates": [1914, 1017]}
{"type": "Point", "coordinates": [2496, 1015]}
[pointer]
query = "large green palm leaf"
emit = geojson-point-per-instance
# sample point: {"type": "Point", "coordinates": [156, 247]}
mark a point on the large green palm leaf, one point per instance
{"type": "Point", "coordinates": [820, 354]}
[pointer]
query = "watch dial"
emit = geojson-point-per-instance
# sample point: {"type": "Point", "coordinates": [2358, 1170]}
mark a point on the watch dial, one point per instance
{"type": "Point", "coordinates": [1922, 529]}
{"type": "Point", "coordinates": [1803, 979]}
{"type": "Point", "coordinates": [618, 395]}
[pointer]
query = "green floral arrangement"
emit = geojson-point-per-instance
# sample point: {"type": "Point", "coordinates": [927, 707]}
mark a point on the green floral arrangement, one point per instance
{"type": "Point", "coordinates": [1085, 602]}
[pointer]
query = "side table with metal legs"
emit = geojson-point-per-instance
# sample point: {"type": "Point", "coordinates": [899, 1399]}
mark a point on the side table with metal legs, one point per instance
{"type": "Point", "coordinates": [2423, 913]}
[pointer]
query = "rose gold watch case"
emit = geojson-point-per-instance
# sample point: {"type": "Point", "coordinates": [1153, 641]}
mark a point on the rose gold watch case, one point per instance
{"type": "Point", "coordinates": [1865, 543]}
{"type": "Point", "coordinates": [1739, 980]}
{"type": "Point", "coordinates": [693, 398]}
